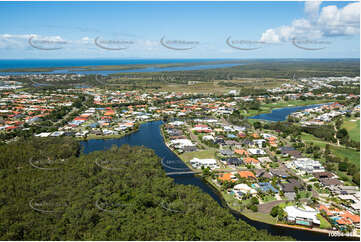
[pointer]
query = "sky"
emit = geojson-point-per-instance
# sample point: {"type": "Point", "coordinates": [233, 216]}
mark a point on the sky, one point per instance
{"type": "Point", "coordinates": [78, 30]}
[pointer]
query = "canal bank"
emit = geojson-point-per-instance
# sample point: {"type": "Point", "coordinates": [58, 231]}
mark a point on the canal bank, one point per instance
{"type": "Point", "coordinates": [149, 135]}
{"type": "Point", "coordinates": [281, 114]}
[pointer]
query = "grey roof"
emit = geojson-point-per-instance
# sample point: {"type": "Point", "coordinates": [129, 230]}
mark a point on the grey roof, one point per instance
{"type": "Point", "coordinates": [226, 152]}
{"type": "Point", "coordinates": [330, 182]}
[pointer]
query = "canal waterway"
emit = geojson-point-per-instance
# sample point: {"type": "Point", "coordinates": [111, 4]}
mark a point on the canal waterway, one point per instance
{"type": "Point", "coordinates": [149, 135]}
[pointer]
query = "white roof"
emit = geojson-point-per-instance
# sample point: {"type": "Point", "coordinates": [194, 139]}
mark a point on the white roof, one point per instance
{"type": "Point", "coordinates": [182, 142]}
{"type": "Point", "coordinates": [244, 188]}
{"type": "Point", "coordinates": [307, 213]}
{"type": "Point", "coordinates": [177, 123]}
{"type": "Point", "coordinates": [204, 161]}
{"type": "Point", "coordinates": [44, 134]}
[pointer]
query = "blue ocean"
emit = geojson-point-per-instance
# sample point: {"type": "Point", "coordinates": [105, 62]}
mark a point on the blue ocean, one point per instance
{"type": "Point", "coordinates": [47, 63]}
{"type": "Point", "coordinates": [68, 63]}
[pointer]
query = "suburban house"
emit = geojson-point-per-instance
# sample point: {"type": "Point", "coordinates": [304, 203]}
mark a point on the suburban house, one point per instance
{"type": "Point", "coordinates": [306, 216]}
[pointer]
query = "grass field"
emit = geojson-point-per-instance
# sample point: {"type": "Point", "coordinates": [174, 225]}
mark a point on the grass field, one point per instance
{"type": "Point", "coordinates": [351, 154]}
{"type": "Point", "coordinates": [203, 154]}
{"type": "Point", "coordinates": [353, 128]}
{"type": "Point", "coordinates": [292, 103]}
{"type": "Point", "coordinates": [266, 218]}
{"type": "Point", "coordinates": [342, 152]}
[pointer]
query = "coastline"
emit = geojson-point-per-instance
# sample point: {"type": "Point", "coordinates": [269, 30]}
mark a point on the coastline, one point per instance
{"type": "Point", "coordinates": [118, 67]}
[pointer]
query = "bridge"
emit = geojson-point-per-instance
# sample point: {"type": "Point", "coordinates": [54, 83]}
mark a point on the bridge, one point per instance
{"type": "Point", "coordinates": [182, 172]}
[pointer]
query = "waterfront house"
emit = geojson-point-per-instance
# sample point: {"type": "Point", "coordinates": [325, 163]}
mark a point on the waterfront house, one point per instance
{"type": "Point", "coordinates": [244, 188]}
{"type": "Point", "coordinates": [227, 177]}
{"type": "Point", "coordinates": [306, 216]}
{"type": "Point", "coordinates": [199, 163]}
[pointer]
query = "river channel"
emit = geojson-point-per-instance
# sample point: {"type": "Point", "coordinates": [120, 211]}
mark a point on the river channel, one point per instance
{"type": "Point", "coordinates": [149, 135]}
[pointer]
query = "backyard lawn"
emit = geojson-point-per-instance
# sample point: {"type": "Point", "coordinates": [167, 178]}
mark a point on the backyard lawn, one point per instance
{"type": "Point", "coordinates": [268, 198]}
{"type": "Point", "coordinates": [324, 224]}
{"type": "Point", "coordinates": [304, 194]}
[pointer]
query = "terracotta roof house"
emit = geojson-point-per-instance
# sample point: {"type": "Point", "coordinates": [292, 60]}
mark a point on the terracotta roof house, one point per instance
{"type": "Point", "coordinates": [246, 174]}
{"type": "Point", "coordinates": [241, 152]}
{"type": "Point", "coordinates": [242, 135]}
{"type": "Point", "coordinates": [354, 218]}
{"type": "Point", "coordinates": [227, 177]}
{"type": "Point", "coordinates": [250, 160]}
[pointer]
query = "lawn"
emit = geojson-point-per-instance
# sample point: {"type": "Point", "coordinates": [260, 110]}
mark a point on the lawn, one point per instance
{"type": "Point", "coordinates": [353, 128]}
{"type": "Point", "coordinates": [304, 194]}
{"type": "Point", "coordinates": [324, 224]}
{"type": "Point", "coordinates": [235, 204]}
{"type": "Point", "coordinates": [308, 138]}
{"type": "Point", "coordinates": [269, 198]}
{"type": "Point", "coordinates": [292, 103]}
{"type": "Point", "coordinates": [321, 190]}
{"type": "Point", "coordinates": [285, 204]}
{"type": "Point", "coordinates": [202, 154]}
{"type": "Point", "coordinates": [261, 217]}
{"type": "Point", "coordinates": [267, 108]}
{"type": "Point", "coordinates": [351, 154]}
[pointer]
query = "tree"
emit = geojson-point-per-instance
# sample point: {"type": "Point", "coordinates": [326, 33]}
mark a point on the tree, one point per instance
{"type": "Point", "coordinates": [137, 195]}
{"type": "Point", "coordinates": [254, 200]}
{"type": "Point", "coordinates": [254, 208]}
{"type": "Point", "coordinates": [274, 211]}
{"type": "Point", "coordinates": [340, 134]}
{"type": "Point", "coordinates": [343, 166]}
{"type": "Point", "coordinates": [257, 125]}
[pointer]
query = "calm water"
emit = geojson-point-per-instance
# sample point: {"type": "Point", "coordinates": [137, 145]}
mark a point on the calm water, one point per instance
{"type": "Point", "coordinates": [280, 114]}
{"type": "Point", "coordinates": [149, 136]}
{"type": "Point", "coordinates": [8, 64]}
{"type": "Point", "coordinates": [48, 63]}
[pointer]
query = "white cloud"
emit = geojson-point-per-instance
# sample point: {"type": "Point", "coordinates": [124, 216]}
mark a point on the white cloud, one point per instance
{"type": "Point", "coordinates": [86, 40]}
{"type": "Point", "coordinates": [312, 8]}
{"type": "Point", "coordinates": [325, 22]}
